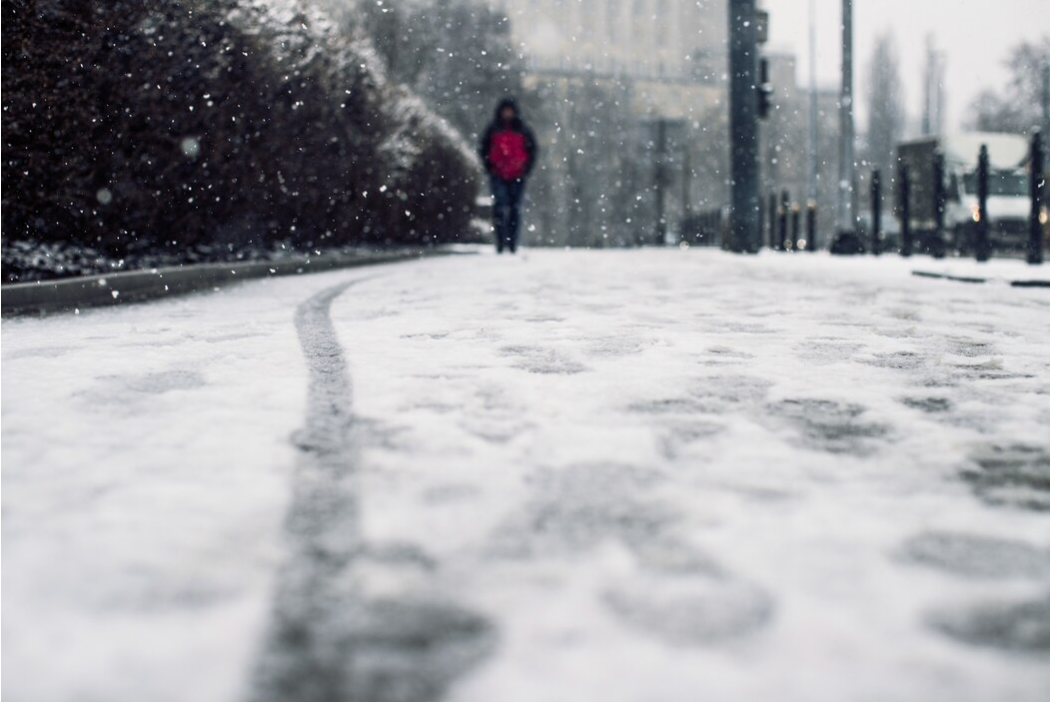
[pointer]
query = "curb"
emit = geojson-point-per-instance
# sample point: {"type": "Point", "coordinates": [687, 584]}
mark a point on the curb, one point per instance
{"type": "Point", "coordinates": [945, 276]}
{"type": "Point", "coordinates": [71, 294]}
{"type": "Point", "coordinates": [1033, 283]}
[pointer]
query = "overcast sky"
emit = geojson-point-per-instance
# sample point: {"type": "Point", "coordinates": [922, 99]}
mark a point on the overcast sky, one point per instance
{"type": "Point", "coordinates": [976, 36]}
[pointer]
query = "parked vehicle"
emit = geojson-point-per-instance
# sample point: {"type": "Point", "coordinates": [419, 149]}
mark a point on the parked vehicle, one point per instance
{"type": "Point", "coordinates": [1009, 199]}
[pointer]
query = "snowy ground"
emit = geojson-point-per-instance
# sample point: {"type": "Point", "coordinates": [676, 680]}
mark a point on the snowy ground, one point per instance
{"type": "Point", "coordinates": [619, 476]}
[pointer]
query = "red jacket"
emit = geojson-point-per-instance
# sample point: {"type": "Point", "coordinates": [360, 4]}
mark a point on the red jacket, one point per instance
{"type": "Point", "coordinates": [508, 151]}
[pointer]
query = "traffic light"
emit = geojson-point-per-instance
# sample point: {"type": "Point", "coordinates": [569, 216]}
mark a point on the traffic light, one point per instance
{"type": "Point", "coordinates": [765, 90]}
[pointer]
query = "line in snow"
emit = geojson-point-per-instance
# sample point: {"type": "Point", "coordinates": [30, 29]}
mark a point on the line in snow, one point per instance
{"type": "Point", "coordinates": [329, 639]}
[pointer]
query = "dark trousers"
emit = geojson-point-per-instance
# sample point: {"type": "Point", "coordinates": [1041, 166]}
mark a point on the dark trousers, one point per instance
{"type": "Point", "coordinates": [506, 195]}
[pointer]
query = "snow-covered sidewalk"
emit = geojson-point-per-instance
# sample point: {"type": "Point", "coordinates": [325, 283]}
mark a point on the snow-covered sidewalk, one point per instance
{"type": "Point", "coordinates": [623, 476]}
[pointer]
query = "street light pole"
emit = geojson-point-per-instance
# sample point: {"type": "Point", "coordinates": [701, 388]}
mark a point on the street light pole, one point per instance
{"type": "Point", "coordinates": [811, 161]}
{"type": "Point", "coordinates": [1046, 111]}
{"type": "Point", "coordinates": [846, 216]}
{"type": "Point", "coordinates": [745, 220]}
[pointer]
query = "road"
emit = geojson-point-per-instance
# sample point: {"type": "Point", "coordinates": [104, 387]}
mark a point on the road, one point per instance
{"type": "Point", "coordinates": [624, 475]}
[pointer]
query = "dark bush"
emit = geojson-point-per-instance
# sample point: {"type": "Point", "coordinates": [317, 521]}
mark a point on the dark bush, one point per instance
{"type": "Point", "coordinates": [132, 125]}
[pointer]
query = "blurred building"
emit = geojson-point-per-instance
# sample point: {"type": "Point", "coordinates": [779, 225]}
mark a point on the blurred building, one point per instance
{"type": "Point", "coordinates": [667, 39]}
{"type": "Point", "coordinates": [636, 100]}
{"type": "Point", "coordinates": [784, 151]}
{"type": "Point", "coordinates": [667, 49]}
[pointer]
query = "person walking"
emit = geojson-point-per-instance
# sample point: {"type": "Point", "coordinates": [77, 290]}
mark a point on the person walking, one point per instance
{"type": "Point", "coordinates": [508, 150]}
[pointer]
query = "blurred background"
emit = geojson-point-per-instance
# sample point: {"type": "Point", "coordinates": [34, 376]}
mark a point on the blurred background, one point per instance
{"type": "Point", "coordinates": [141, 134]}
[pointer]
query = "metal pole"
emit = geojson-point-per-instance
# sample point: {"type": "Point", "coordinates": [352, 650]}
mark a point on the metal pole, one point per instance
{"type": "Point", "coordinates": [811, 226]}
{"type": "Point", "coordinates": [904, 203]}
{"type": "Point", "coordinates": [1037, 177]}
{"type": "Point", "coordinates": [782, 212]}
{"type": "Point", "coordinates": [796, 225]}
{"type": "Point", "coordinates": [847, 219]}
{"type": "Point", "coordinates": [659, 178]}
{"type": "Point", "coordinates": [876, 212]}
{"type": "Point", "coordinates": [743, 126]}
{"type": "Point", "coordinates": [939, 203]}
{"type": "Point", "coordinates": [762, 220]}
{"type": "Point", "coordinates": [1046, 111]}
{"type": "Point", "coordinates": [938, 116]}
{"type": "Point", "coordinates": [811, 162]}
{"type": "Point", "coordinates": [687, 176]}
{"type": "Point", "coordinates": [773, 220]}
{"type": "Point", "coordinates": [982, 246]}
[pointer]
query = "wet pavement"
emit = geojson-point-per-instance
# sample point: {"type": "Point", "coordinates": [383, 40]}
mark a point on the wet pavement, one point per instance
{"type": "Point", "coordinates": [571, 475]}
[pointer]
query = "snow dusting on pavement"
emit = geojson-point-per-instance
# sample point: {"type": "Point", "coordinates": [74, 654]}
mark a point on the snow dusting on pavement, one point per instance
{"type": "Point", "coordinates": [621, 475]}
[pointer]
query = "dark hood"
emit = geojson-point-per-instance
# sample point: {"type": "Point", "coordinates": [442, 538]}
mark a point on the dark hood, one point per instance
{"type": "Point", "coordinates": [512, 104]}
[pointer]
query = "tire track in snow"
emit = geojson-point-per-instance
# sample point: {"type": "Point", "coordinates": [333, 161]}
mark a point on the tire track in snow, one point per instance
{"type": "Point", "coordinates": [329, 639]}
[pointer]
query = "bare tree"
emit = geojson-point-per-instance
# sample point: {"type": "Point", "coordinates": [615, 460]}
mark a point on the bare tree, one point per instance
{"type": "Point", "coordinates": [1017, 108]}
{"type": "Point", "coordinates": [457, 55]}
{"type": "Point", "coordinates": [885, 104]}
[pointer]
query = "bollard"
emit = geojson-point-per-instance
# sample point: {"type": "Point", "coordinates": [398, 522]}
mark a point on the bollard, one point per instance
{"type": "Point", "coordinates": [761, 222]}
{"type": "Point", "coordinates": [773, 221]}
{"type": "Point", "coordinates": [660, 177]}
{"type": "Point", "coordinates": [904, 203]}
{"type": "Point", "coordinates": [811, 226]}
{"type": "Point", "coordinates": [939, 202]}
{"type": "Point", "coordinates": [1037, 178]}
{"type": "Point", "coordinates": [796, 225]}
{"type": "Point", "coordinates": [982, 246]}
{"type": "Point", "coordinates": [783, 223]}
{"type": "Point", "coordinates": [876, 212]}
